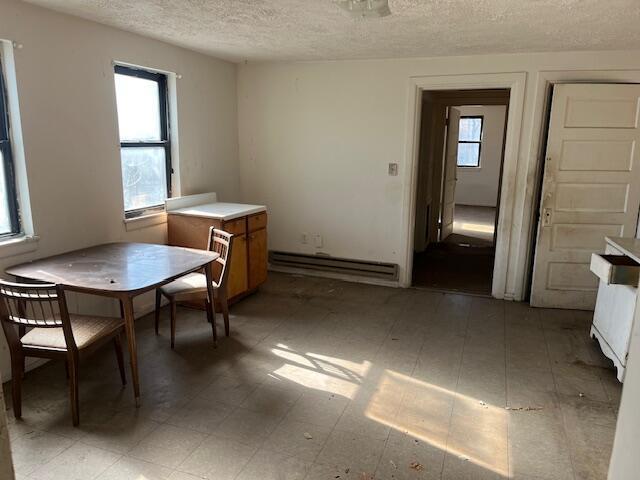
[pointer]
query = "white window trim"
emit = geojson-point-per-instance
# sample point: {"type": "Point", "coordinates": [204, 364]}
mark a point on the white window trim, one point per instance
{"type": "Point", "coordinates": [145, 221]}
{"type": "Point", "coordinates": [18, 245]}
{"type": "Point", "coordinates": [27, 240]}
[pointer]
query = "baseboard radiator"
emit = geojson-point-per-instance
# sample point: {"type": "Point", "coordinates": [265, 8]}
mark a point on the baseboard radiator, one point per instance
{"type": "Point", "coordinates": [346, 266]}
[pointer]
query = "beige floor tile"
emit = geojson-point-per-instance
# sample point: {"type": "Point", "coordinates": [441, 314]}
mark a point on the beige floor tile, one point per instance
{"type": "Point", "coordinates": [331, 472]}
{"type": "Point", "coordinates": [246, 426]}
{"type": "Point", "coordinates": [345, 450]}
{"type": "Point", "coordinates": [426, 415]}
{"type": "Point", "coordinates": [272, 401]}
{"type": "Point", "coordinates": [201, 415]}
{"type": "Point", "coordinates": [218, 458]}
{"type": "Point", "coordinates": [590, 427]}
{"type": "Point", "coordinates": [178, 475]}
{"type": "Point", "coordinates": [33, 449]}
{"type": "Point", "coordinates": [298, 439]}
{"type": "Point", "coordinates": [407, 458]}
{"type": "Point", "coordinates": [462, 468]}
{"type": "Point", "coordinates": [267, 465]}
{"type": "Point", "coordinates": [120, 433]}
{"type": "Point", "coordinates": [318, 408]}
{"type": "Point", "coordinates": [128, 468]}
{"type": "Point", "coordinates": [77, 462]}
{"type": "Point", "coordinates": [577, 380]}
{"type": "Point", "coordinates": [538, 445]}
{"type": "Point", "coordinates": [369, 420]}
{"type": "Point", "coordinates": [168, 446]}
{"type": "Point", "coordinates": [229, 390]}
{"type": "Point", "coordinates": [479, 434]}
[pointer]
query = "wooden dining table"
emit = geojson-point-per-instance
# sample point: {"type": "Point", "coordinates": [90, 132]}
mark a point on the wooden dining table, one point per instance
{"type": "Point", "coordinates": [121, 271]}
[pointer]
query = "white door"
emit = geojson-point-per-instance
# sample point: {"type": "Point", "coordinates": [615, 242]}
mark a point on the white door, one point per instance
{"type": "Point", "coordinates": [450, 171]}
{"type": "Point", "coordinates": [591, 188]}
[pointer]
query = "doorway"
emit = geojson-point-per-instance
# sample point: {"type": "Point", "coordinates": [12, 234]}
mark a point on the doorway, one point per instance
{"type": "Point", "coordinates": [461, 152]}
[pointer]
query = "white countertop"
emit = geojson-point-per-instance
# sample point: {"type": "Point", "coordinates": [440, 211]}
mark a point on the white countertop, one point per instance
{"type": "Point", "coordinates": [628, 246]}
{"type": "Point", "coordinates": [219, 210]}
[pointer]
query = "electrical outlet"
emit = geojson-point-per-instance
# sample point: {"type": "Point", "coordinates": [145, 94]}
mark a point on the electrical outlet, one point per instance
{"type": "Point", "coordinates": [393, 169]}
{"type": "Point", "coordinates": [317, 240]}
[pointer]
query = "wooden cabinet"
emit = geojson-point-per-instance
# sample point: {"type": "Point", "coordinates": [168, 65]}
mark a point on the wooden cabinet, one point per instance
{"type": "Point", "coordinates": [249, 253]}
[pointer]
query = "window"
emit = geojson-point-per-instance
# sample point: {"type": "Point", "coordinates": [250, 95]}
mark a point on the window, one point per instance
{"type": "Point", "coordinates": [469, 141]}
{"type": "Point", "coordinates": [145, 149]}
{"type": "Point", "coordinates": [9, 218]}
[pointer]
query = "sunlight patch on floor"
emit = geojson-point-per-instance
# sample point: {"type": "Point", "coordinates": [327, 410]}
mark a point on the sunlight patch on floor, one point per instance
{"type": "Point", "coordinates": [426, 419]}
{"type": "Point", "coordinates": [321, 372]}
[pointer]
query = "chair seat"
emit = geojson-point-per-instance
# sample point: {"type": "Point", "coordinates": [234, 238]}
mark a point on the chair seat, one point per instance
{"type": "Point", "coordinates": [189, 284]}
{"type": "Point", "coordinates": [86, 331]}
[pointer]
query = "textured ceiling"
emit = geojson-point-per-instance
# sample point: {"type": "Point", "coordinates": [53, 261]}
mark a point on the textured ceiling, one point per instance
{"type": "Point", "coordinates": [318, 29]}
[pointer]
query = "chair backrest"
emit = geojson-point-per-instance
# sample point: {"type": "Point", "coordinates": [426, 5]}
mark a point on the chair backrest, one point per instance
{"type": "Point", "coordinates": [33, 305]}
{"type": "Point", "coordinates": [221, 242]}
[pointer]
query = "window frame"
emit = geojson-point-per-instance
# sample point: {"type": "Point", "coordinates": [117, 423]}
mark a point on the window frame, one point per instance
{"type": "Point", "coordinates": [8, 160]}
{"type": "Point", "coordinates": [478, 142]}
{"type": "Point", "coordinates": [165, 131]}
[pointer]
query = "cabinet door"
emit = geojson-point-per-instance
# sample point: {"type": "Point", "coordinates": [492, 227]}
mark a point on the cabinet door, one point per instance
{"type": "Point", "coordinates": [237, 282]}
{"type": "Point", "coordinates": [257, 258]}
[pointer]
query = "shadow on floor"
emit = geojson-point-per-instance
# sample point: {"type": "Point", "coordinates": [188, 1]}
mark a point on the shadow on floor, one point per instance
{"type": "Point", "coordinates": [454, 267]}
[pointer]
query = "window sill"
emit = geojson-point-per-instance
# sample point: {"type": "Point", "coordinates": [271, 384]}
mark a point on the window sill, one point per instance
{"type": "Point", "coordinates": [145, 221]}
{"type": "Point", "coordinates": [12, 247]}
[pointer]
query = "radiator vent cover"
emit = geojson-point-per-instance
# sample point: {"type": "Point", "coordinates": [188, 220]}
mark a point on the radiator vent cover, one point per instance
{"type": "Point", "coordinates": [346, 266]}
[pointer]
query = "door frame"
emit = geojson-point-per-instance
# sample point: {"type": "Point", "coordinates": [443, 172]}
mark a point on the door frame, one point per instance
{"type": "Point", "coordinates": [515, 82]}
{"type": "Point", "coordinates": [545, 81]}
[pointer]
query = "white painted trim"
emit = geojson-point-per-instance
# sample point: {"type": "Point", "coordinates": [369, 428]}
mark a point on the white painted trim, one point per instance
{"type": "Point", "coordinates": [143, 67]}
{"type": "Point", "coordinates": [515, 82]}
{"type": "Point", "coordinates": [145, 221]}
{"type": "Point", "coordinates": [535, 156]}
{"type": "Point", "coordinates": [19, 245]}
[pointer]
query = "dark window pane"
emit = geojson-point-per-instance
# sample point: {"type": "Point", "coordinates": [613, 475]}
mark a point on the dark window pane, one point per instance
{"type": "Point", "coordinates": [468, 154]}
{"type": "Point", "coordinates": [5, 213]}
{"type": "Point", "coordinates": [138, 101]}
{"type": "Point", "coordinates": [470, 129]}
{"type": "Point", "coordinates": [144, 177]}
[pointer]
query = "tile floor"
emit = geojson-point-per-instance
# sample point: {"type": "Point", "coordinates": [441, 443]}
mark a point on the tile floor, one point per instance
{"type": "Point", "coordinates": [325, 380]}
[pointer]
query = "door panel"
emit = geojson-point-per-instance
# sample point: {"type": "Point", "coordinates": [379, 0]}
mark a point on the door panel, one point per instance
{"type": "Point", "coordinates": [450, 173]}
{"type": "Point", "coordinates": [591, 188]}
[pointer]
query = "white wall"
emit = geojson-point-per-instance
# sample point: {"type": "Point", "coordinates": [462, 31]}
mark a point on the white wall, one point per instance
{"type": "Point", "coordinates": [479, 186]}
{"type": "Point", "coordinates": [316, 138]}
{"type": "Point", "coordinates": [67, 102]}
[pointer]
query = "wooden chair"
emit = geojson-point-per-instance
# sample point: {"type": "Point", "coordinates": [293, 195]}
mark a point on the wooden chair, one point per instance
{"type": "Point", "coordinates": [54, 334]}
{"type": "Point", "coordinates": [193, 287]}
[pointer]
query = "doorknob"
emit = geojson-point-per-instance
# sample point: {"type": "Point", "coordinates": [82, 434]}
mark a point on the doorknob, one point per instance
{"type": "Point", "coordinates": [546, 217]}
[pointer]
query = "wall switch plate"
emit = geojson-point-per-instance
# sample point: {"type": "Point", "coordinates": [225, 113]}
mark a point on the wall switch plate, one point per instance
{"type": "Point", "coordinates": [304, 238]}
{"type": "Point", "coordinates": [393, 169]}
{"type": "Point", "coordinates": [317, 240]}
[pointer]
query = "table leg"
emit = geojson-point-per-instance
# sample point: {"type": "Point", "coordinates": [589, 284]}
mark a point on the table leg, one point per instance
{"type": "Point", "coordinates": [209, 304]}
{"type": "Point", "coordinates": [129, 325]}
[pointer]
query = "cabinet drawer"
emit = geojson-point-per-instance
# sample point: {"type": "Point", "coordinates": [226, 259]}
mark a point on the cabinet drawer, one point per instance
{"type": "Point", "coordinates": [237, 226]}
{"type": "Point", "coordinates": [257, 221]}
{"type": "Point", "coordinates": [615, 269]}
